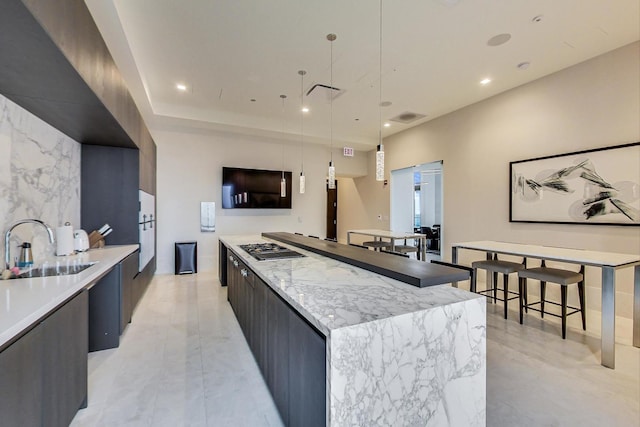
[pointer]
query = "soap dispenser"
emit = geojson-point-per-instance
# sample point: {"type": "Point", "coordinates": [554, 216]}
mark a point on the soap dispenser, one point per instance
{"type": "Point", "coordinates": [26, 257]}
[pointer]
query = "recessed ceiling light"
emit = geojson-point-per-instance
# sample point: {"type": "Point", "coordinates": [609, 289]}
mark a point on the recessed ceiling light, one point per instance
{"type": "Point", "coordinates": [305, 109]}
{"type": "Point", "coordinates": [387, 125]}
{"type": "Point", "coordinates": [523, 65]}
{"type": "Point", "coordinates": [181, 87]}
{"type": "Point", "coordinates": [499, 39]}
{"type": "Point", "coordinates": [485, 81]}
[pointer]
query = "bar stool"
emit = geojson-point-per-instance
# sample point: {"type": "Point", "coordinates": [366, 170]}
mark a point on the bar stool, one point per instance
{"type": "Point", "coordinates": [406, 249]}
{"type": "Point", "coordinates": [496, 266]}
{"type": "Point", "coordinates": [376, 244]}
{"type": "Point", "coordinates": [554, 275]}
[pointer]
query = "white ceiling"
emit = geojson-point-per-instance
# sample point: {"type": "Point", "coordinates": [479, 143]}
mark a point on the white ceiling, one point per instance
{"type": "Point", "coordinates": [435, 53]}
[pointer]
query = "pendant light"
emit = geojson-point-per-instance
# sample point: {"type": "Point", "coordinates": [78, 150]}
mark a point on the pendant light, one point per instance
{"type": "Point", "coordinates": [283, 182]}
{"type": "Point", "coordinates": [302, 177]}
{"type": "Point", "coordinates": [380, 148]}
{"type": "Point", "coordinates": [332, 170]}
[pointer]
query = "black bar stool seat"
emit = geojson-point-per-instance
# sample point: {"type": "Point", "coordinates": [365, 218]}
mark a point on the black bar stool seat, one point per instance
{"type": "Point", "coordinates": [376, 244]}
{"type": "Point", "coordinates": [554, 275]}
{"type": "Point", "coordinates": [496, 266]}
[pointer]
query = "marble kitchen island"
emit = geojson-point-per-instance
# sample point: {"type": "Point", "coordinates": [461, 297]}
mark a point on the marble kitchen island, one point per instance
{"type": "Point", "coordinates": [395, 354]}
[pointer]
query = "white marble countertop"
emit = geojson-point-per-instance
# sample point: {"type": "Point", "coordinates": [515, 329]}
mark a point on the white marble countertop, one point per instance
{"type": "Point", "coordinates": [25, 301]}
{"type": "Point", "coordinates": [581, 256]}
{"type": "Point", "coordinates": [331, 294]}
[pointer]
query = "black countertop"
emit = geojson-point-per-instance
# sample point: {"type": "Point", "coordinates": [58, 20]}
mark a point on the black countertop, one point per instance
{"type": "Point", "coordinates": [411, 271]}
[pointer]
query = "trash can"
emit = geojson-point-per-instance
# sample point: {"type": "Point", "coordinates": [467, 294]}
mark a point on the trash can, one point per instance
{"type": "Point", "coordinates": [186, 260]}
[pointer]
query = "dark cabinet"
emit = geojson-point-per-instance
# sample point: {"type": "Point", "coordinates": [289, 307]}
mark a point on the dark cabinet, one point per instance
{"type": "Point", "coordinates": [43, 380]}
{"type": "Point", "coordinates": [307, 374]}
{"type": "Point", "coordinates": [277, 377]}
{"type": "Point", "coordinates": [21, 381]}
{"type": "Point", "coordinates": [128, 301]}
{"type": "Point", "coordinates": [64, 379]}
{"type": "Point", "coordinates": [109, 192]}
{"type": "Point", "coordinates": [288, 350]}
{"type": "Point", "coordinates": [259, 336]}
{"type": "Point", "coordinates": [222, 263]}
{"type": "Point", "coordinates": [111, 304]}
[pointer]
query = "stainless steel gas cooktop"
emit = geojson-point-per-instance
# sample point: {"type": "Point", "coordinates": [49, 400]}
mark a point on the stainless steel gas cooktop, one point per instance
{"type": "Point", "coordinates": [265, 251]}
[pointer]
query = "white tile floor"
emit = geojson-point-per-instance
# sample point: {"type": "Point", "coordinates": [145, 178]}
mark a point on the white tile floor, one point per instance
{"type": "Point", "coordinates": [184, 361]}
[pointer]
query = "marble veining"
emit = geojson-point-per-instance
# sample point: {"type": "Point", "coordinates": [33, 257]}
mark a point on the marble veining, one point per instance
{"type": "Point", "coordinates": [396, 354]}
{"type": "Point", "coordinates": [421, 368]}
{"type": "Point", "coordinates": [39, 176]}
{"type": "Point", "coordinates": [331, 294]}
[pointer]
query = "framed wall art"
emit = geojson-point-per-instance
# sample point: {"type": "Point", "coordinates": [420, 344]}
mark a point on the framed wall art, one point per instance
{"type": "Point", "coordinates": [600, 186]}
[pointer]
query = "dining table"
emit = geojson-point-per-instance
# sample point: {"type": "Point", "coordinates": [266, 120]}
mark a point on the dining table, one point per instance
{"type": "Point", "coordinates": [608, 262]}
{"type": "Point", "coordinates": [393, 236]}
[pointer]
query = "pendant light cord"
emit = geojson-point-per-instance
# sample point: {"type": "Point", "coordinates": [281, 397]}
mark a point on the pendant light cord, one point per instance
{"type": "Point", "coordinates": [302, 73]}
{"type": "Point", "coordinates": [283, 97]}
{"type": "Point", "coordinates": [331, 105]}
{"type": "Point", "coordinates": [380, 84]}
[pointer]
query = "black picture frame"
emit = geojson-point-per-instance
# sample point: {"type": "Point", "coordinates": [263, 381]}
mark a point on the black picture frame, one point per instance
{"type": "Point", "coordinates": [597, 187]}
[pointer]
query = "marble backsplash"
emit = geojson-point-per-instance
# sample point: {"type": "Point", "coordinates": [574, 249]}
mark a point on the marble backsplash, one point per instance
{"type": "Point", "coordinates": [39, 177]}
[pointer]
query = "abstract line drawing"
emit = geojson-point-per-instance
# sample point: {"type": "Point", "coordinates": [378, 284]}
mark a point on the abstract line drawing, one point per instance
{"type": "Point", "coordinates": [599, 186]}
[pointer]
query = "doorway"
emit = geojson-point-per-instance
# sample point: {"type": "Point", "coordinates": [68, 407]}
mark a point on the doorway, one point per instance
{"type": "Point", "coordinates": [332, 212]}
{"type": "Point", "coordinates": [416, 203]}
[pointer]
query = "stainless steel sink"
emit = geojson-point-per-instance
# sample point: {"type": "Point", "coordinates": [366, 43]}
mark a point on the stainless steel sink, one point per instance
{"type": "Point", "coordinates": [61, 270]}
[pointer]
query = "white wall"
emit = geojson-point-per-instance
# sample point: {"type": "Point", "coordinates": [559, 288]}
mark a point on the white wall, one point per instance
{"type": "Point", "coordinates": [590, 105]}
{"type": "Point", "coordinates": [190, 171]}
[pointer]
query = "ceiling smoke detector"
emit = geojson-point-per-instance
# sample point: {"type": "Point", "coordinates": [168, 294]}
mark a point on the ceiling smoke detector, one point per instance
{"type": "Point", "coordinates": [407, 117]}
{"type": "Point", "coordinates": [323, 92]}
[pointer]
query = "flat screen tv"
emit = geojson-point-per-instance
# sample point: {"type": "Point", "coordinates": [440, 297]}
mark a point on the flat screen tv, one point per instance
{"type": "Point", "coordinates": [254, 189]}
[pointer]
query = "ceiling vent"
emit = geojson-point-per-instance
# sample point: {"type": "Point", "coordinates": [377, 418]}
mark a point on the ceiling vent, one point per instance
{"type": "Point", "coordinates": [324, 93]}
{"type": "Point", "coordinates": [407, 117]}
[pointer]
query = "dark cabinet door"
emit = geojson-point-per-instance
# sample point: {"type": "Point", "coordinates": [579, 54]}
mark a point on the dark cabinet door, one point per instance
{"type": "Point", "coordinates": [222, 263]}
{"type": "Point", "coordinates": [277, 377]}
{"type": "Point", "coordinates": [259, 325]}
{"type": "Point", "coordinates": [129, 269]}
{"type": "Point", "coordinates": [21, 381]}
{"type": "Point", "coordinates": [109, 191]}
{"type": "Point", "coordinates": [104, 312]}
{"type": "Point", "coordinates": [246, 303]}
{"type": "Point", "coordinates": [64, 377]}
{"type": "Point", "coordinates": [307, 374]}
{"type": "Point", "coordinates": [232, 285]}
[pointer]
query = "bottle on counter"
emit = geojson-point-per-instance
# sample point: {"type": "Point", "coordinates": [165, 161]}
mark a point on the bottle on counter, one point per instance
{"type": "Point", "coordinates": [26, 257]}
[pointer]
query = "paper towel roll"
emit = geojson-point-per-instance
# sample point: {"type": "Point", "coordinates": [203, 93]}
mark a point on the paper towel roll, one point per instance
{"type": "Point", "coordinates": [64, 240]}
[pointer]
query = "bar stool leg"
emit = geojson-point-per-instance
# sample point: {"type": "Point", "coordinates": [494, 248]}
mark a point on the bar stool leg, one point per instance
{"type": "Point", "coordinates": [474, 284]}
{"type": "Point", "coordinates": [505, 280]}
{"type": "Point", "coordinates": [495, 287]}
{"type": "Point", "coordinates": [521, 300]}
{"type": "Point", "coordinates": [543, 290]}
{"type": "Point", "coordinates": [582, 307]}
{"type": "Point", "coordinates": [563, 296]}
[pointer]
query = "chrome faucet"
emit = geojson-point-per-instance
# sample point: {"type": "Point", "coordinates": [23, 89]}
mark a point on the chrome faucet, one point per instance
{"type": "Point", "coordinates": [7, 237]}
